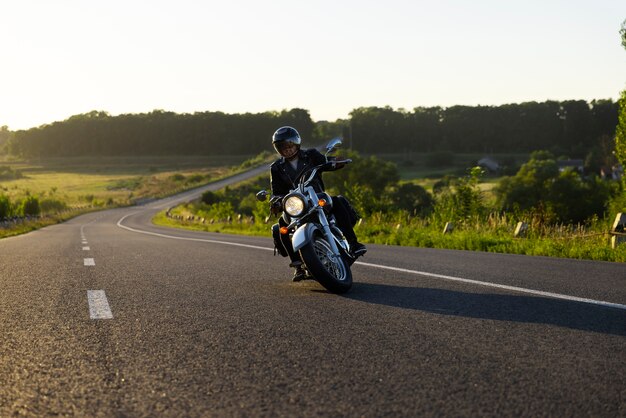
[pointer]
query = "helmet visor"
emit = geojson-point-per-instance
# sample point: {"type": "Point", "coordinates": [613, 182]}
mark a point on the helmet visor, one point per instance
{"type": "Point", "coordinates": [287, 148]}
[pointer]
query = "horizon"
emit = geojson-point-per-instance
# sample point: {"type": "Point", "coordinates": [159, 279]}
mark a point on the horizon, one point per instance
{"type": "Point", "coordinates": [67, 58]}
{"type": "Point", "coordinates": [274, 110]}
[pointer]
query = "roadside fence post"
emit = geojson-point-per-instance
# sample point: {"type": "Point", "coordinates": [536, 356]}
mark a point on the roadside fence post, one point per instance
{"type": "Point", "coordinates": [618, 230]}
{"type": "Point", "coordinates": [520, 230]}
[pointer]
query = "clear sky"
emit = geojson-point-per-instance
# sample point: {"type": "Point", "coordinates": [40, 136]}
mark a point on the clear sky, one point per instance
{"type": "Point", "coordinates": [64, 57]}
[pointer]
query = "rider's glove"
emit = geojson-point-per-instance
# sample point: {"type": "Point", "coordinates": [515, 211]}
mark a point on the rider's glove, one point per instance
{"type": "Point", "coordinates": [276, 205]}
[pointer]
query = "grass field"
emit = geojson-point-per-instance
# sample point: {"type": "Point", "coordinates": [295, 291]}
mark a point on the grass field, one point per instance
{"type": "Point", "coordinates": [77, 185]}
{"type": "Point", "coordinates": [78, 181]}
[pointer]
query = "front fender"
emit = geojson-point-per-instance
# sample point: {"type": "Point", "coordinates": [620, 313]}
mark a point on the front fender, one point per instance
{"type": "Point", "coordinates": [303, 235]}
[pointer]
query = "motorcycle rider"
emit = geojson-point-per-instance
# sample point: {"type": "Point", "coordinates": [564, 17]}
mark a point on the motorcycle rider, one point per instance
{"type": "Point", "coordinates": [284, 173]}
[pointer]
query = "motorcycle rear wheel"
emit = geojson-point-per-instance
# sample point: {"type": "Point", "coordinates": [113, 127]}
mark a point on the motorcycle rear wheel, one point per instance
{"type": "Point", "coordinates": [331, 272]}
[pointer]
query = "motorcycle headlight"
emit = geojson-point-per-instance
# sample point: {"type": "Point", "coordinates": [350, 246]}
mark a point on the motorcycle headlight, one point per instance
{"type": "Point", "coordinates": [294, 205]}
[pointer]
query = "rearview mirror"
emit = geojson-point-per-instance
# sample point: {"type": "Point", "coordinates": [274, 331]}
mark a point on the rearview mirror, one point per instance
{"type": "Point", "coordinates": [333, 145]}
{"type": "Point", "coordinates": [261, 196]}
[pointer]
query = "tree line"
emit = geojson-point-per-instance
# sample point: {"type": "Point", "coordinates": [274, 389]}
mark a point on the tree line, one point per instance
{"type": "Point", "coordinates": [568, 127]}
{"type": "Point", "coordinates": [156, 133]}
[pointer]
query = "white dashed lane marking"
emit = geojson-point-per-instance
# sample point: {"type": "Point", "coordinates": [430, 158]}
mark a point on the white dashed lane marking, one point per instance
{"type": "Point", "coordinates": [85, 248]}
{"type": "Point", "coordinates": [89, 262]}
{"type": "Point", "coordinates": [98, 305]}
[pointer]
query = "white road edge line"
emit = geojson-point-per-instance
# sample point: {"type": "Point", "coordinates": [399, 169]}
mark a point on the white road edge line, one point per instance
{"type": "Point", "coordinates": [401, 270]}
{"type": "Point", "coordinates": [499, 286]}
{"type": "Point", "coordinates": [119, 223]}
{"type": "Point", "coordinates": [98, 305]}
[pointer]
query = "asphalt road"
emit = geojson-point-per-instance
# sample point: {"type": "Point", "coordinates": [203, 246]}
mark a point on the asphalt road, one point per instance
{"type": "Point", "coordinates": [108, 315]}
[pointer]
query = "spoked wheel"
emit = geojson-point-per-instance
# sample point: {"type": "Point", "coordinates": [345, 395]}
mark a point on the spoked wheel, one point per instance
{"type": "Point", "coordinates": [330, 269]}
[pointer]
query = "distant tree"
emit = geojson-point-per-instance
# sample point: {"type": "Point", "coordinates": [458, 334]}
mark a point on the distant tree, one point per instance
{"type": "Point", "coordinates": [412, 198]}
{"type": "Point", "coordinates": [565, 196]}
{"type": "Point", "coordinates": [568, 127]}
{"type": "Point", "coordinates": [325, 130]}
{"type": "Point", "coordinates": [370, 172]}
{"type": "Point", "coordinates": [5, 134]}
{"type": "Point", "coordinates": [620, 132]}
{"type": "Point", "coordinates": [600, 156]}
{"type": "Point", "coordinates": [364, 182]}
{"type": "Point", "coordinates": [572, 199]}
{"type": "Point", "coordinates": [158, 133]}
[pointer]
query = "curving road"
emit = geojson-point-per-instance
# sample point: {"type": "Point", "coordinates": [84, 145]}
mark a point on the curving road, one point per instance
{"type": "Point", "coordinates": [109, 315]}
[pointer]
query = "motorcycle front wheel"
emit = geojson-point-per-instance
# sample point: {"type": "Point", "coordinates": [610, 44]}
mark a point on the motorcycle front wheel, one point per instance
{"type": "Point", "coordinates": [329, 269]}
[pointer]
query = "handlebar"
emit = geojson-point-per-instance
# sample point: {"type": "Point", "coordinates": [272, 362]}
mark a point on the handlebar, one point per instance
{"type": "Point", "coordinates": [314, 170]}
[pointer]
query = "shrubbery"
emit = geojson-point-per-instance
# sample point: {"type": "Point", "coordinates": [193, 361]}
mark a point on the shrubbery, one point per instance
{"type": "Point", "coordinates": [5, 207]}
{"type": "Point", "coordinates": [537, 191]}
{"type": "Point", "coordinates": [459, 199]}
{"type": "Point", "coordinates": [30, 206]}
{"type": "Point", "coordinates": [563, 196]}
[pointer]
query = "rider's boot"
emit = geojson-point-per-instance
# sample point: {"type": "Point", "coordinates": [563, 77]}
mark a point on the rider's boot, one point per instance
{"type": "Point", "coordinates": [358, 249]}
{"type": "Point", "coordinates": [300, 273]}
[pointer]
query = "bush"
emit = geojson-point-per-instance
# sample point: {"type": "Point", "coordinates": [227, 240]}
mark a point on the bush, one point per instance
{"type": "Point", "coordinates": [371, 173]}
{"type": "Point", "coordinates": [562, 196]}
{"type": "Point", "coordinates": [177, 177]}
{"type": "Point", "coordinates": [460, 199]}
{"type": "Point", "coordinates": [210, 198]}
{"type": "Point", "coordinates": [218, 211]}
{"type": "Point", "coordinates": [412, 198]}
{"type": "Point", "coordinates": [364, 182]}
{"type": "Point", "coordinates": [5, 207]}
{"type": "Point", "coordinates": [30, 206]}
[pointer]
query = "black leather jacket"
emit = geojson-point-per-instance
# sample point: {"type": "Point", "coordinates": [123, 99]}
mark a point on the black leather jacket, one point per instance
{"type": "Point", "coordinates": [283, 177]}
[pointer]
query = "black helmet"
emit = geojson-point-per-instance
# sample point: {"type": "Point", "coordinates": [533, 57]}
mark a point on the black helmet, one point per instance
{"type": "Point", "coordinates": [282, 140]}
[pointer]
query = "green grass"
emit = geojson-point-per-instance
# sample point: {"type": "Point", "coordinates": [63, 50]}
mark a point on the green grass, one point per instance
{"type": "Point", "coordinates": [259, 229]}
{"type": "Point", "coordinates": [493, 235]}
{"type": "Point", "coordinates": [46, 220]}
{"type": "Point", "coordinates": [590, 243]}
{"type": "Point", "coordinates": [77, 181]}
{"type": "Point", "coordinates": [90, 183]}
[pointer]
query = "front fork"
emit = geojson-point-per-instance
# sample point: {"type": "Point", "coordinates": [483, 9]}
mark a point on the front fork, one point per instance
{"type": "Point", "coordinates": [329, 234]}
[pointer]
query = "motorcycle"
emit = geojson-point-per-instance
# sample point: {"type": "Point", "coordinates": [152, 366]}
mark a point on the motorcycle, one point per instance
{"type": "Point", "coordinates": [312, 230]}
